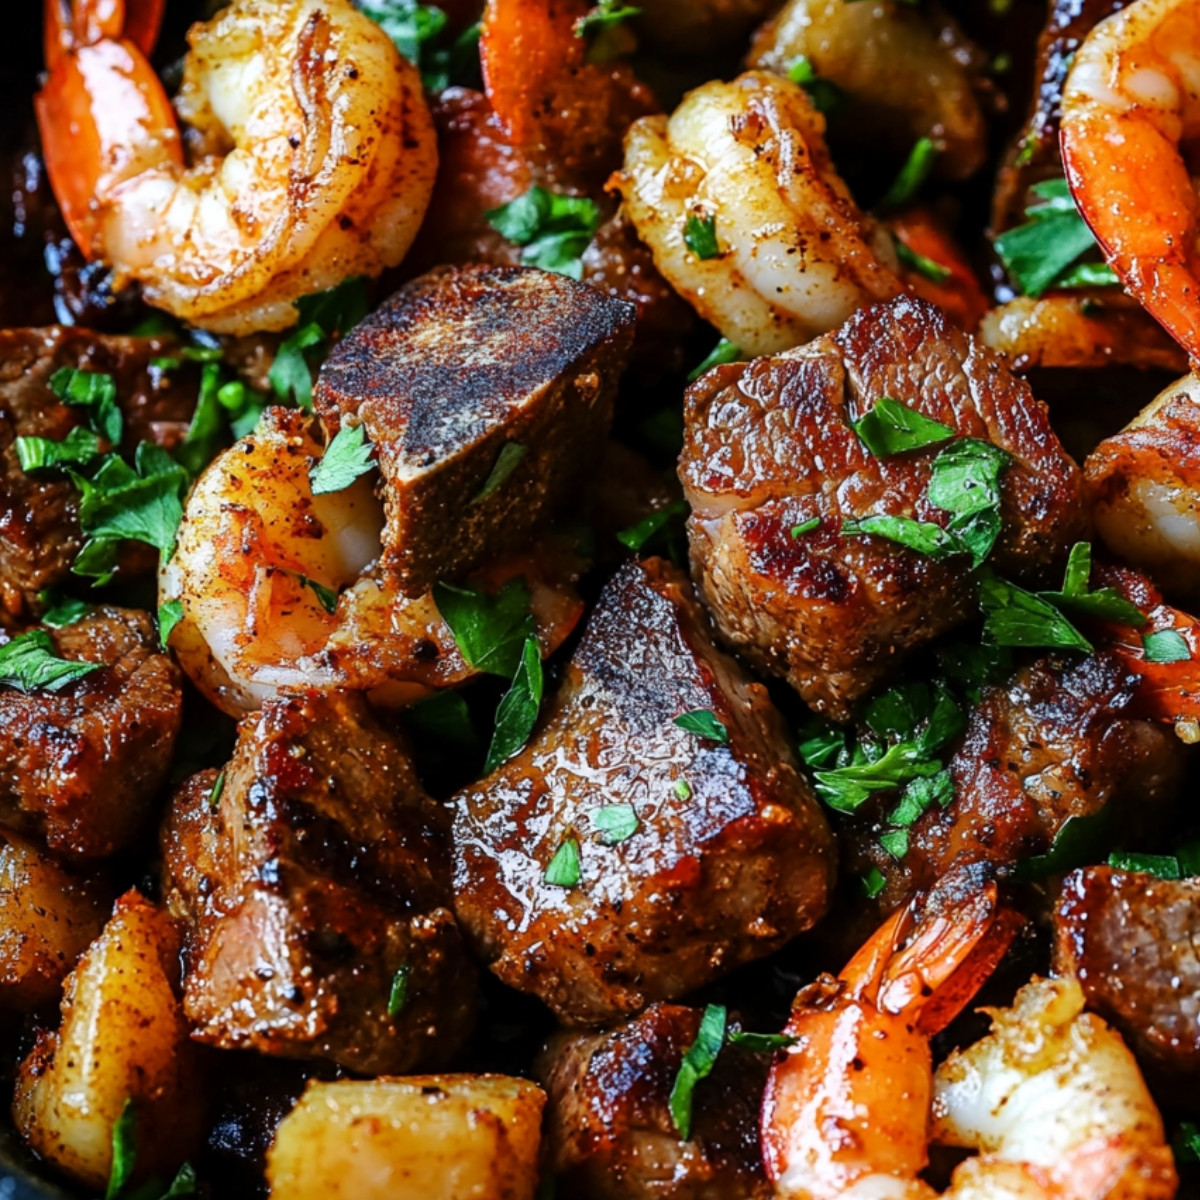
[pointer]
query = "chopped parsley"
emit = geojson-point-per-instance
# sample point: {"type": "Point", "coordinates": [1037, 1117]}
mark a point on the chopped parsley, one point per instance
{"type": "Point", "coordinates": [490, 630]}
{"type": "Point", "coordinates": [326, 596]}
{"type": "Point", "coordinates": [1074, 844]}
{"type": "Point", "coordinates": [873, 882]}
{"type": "Point", "coordinates": [322, 316]}
{"type": "Point", "coordinates": [518, 710]}
{"type": "Point", "coordinates": [170, 613]}
{"type": "Point", "coordinates": [759, 1043]}
{"type": "Point", "coordinates": [606, 14]}
{"type": "Point", "coordinates": [723, 352]}
{"type": "Point", "coordinates": [218, 790]}
{"type": "Point", "coordinates": [824, 94]}
{"type": "Point", "coordinates": [615, 823]}
{"type": "Point", "coordinates": [698, 1062]}
{"type": "Point", "coordinates": [895, 842]}
{"type": "Point", "coordinates": [806, 527]}
{"type": "Point", "coordinates": [78, 449]}
{"type": "Point", "coordinates": [206, 431]}
{"type": "Point", "coordinates": [1185, 1142]}
{"type": "Point", "coordinates": [648, 528]}
{"type": "Point", "coordinates": [398, 995]}
{"type": "Point", "coordinates": [682, 789]}
{"type": "Point", "coordinates": [97, 393]}
{"type": "Point", "coordinates": [912, 175]}
{"type": "Point", "coordinates": [891, 428]}
{"type": "Point", "coordinates": [418, 32]}
{"type": "Point", "coordinates": [1039, 254]}
{"type": "Point", "coordinates": [700, 236]}
{"type": "Point", "coordinates": [924, 266]}
{"type": "Point", "coordinates": [1103, 604]}
{"type": "Point", "coordinates": [507, 461]}
{"type": "Point", "coordinates": [552, 230]}
{"type": "Point", "coordinates": [1165, 646]}
{"type": "Point", "coordinates": [64, 611]}
{"type": "Point", "coordinates": [1161, 866]}
{"type": "Point", "coordinates": [347, 457]}
{"type": "Point", "coordinates": [565, 869]}
{"type": "Point", "coordinates": [1015, 617]}
{"type": "Point", "coordinates": [30, 663]}
{"type": "Point", "coordinates": [704, 723]}
{"type": "Point", "coordinates": [124, 1151]}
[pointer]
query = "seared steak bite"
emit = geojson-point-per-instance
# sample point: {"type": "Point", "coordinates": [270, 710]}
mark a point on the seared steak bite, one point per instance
{"type": "Point", "coordinates": [1057, 740]}
{"type": "Point", "coordinates": [81, 766]}
{"type": "Point", "coordinates": [1134, 943]}
{"type": "Point", "coordinates": [769, 447]}
{"type": "Point", "coordinates": [307, 883]}
{"type": "Point", "coordinates": [459, 365]}
{"type": "Point", "coordinates": [730, 857]}
{"type": "Point", "coordinates": [609, 1131]}
{"type": "Point", "coordinates": [39, 520]}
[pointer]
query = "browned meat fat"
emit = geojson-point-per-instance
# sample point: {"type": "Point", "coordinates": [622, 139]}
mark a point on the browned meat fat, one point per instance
{"type": "Point", "coordinates": [769, 445]}
{"type": "Point", "coordinates": [39, 520]}
{"type": "Point", "coordinates": [457, 366]}
{"type": "Point", "coordinates": [1055, 741]}
{"type": "Point", "coordinates": [609, 1134]}
{"type": "Point", "coordinates": [1134, 942]}
{"type": "Point", "coordinates": [318, 877]}
{"type": "Point", "coordinates": [82, 766]}
{"type": "Point", "coordinates": [731, 856]}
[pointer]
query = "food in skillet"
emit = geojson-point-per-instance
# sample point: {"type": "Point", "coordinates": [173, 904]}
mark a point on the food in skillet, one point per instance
{"type": "Point", "coordinates": [594, 601]}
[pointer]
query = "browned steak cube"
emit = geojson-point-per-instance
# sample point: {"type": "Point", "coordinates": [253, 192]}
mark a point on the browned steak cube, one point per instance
{"type": "Point", "coordinates": [39, 521]}
{"type": "Point", "coordinates": [730, 857]}
{"type": "Point", "coordinates": [1134, 942]}
{"type": "Point", "coordinates": [313, 886]}
{"type": "Point", "coordinates": [456, 368]}
{"type": "Point", "coordinates": [82, 766]}
{"type": "Point", "coordinates": [609, 1134]}
{"type": "Point", "coordinates": [769, 447]}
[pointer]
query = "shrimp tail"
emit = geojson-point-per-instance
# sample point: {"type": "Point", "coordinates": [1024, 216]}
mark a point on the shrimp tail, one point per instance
{"type": "Point", "coordinates": [69, 24]}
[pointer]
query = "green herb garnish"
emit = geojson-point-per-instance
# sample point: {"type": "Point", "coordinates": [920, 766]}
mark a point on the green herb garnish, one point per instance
{"type": "Point", "coordinates": [704, 723]}
{"type": "Point", "coordinates": [698, 1062]}
{"type": "Point", "coordinates": [347, 457]}
{"type": "Point", "coordinates": [923, 265]}
{"type": "Point", "coordinates": [30, 663]}
{"type": "Point", "coordinates": [615, 823]}
{"type": "Point", "coordinates": [398, 996]}
{"type": "Point", "coordinates": [891, 428]}
{"type": "Point", "coordinates": [912, 175]}
{"type": "Point", "coordinates": [95, 392]}
{"type": "Point", "coordinates": [506, 463]}
{"type": "Point", "coordinates": [700, 236]}
{"type": "Point", "coordinates": [489, 630]}
{"type": "Point", "coordinates": [723, 352]}
{"type": "Point", "coordinates": [124, 1151]}
{"type": "Point", "coordinates": [1165, 646]}
{"type": "Point", "coordinates": [170, 613]}
{"type": "Point", "coordinates": [518, 710]}
{"type": "Point", "coordinates": [565, 869]}
{"type": "Point", "coordinates": [552, 230]}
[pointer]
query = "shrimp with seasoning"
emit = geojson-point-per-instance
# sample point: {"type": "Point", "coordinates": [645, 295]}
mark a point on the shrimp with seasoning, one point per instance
{"type": "Point", "coordinates": [1130, 101]}
{"type": "Point", "coordinates": [847, 1108]}
{"type": "Point", "coordinates": [309, 154]}
{"type": "Point", "coordinates": [793, 256]}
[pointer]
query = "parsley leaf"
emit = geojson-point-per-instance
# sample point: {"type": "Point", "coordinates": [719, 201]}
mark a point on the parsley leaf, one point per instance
{"type": "Point", "coordinates": [29, 662]}
{"type": "Point", "coordinates": [79, 448]}
{"type": "Point", "coordinates": [873, 882]}
{"type": "Point", "coordinates": [760, 1043]}
{"type": "Point", "coordinates": [97, 393]}
{"type": "Point", "coordinates": [565, 868]}
{"type": "Point", "coordinates": [824, 94]}
{"type": "Point", "coordinates": [489, 630]}
{"type": "Point", "coordinates": [723, 352]}
{"type": "Point", "coordinates": [1165, 646]}
{"type": "Point", "coordinates": [398, 996]}
{"type": "Point", "coordinates": [206, 431]}
{"type": "Point", "coordinates": [347, 457]}
{"type": "Point", "coordinates": [704, 723]}
{"type": "Point", "coordinates": [845, 788]}
{"type": "Point", "coordinates": [606, 14]}
{"type": "Point", "coordinates": [700, 236]}
{"type": "Point", "coordinates": [507, 461]}
{"type": "Point", "coordinates": [218, 790]}
{"type": "Point", "coordinates": [65, 611]}
{"type": "Point", "coordinates": [290, 374]}
{"type": "Point", "coordinates": [637, 536]}
{"type": "Point", "coordinates": [416, 31]}
{"type": "Point", "coordinates": [912, 175]}
{"type": "Point", "coordinates": [893, 428]}
{"type": "Point", "coordinates": [1185, 1142]}
{"type": "Point", "coordinates": [806, 527]}
{"type": "Point", "coordinates": [698, 1062]}
{"type": "Point", "coordinates": [1074, 844]}
{"type": "Point", "coordinates": [124, 1151]}
{"type": "Point", "coordinates": [1037, 254]}
{"type": "Point", "coordinates": [1015, 617]}
{"type": "Point", "coordinates": [518, 710]}
{"type": "Point", "coordinates": [553, 230]}
{"type": "Point", "coordinates": [924, 266]}
{"type": "Point", "coordinates": [922, 536]}
{"type": "Point", "coordinates": [1104, 604]}
{"type": "Point", "coordinates": [1161, 866]}
{"type": "Point", "coordinates": [682, 789]}
{"type": "Point", "coordinates": [895, 842]}
{"type": "Point", "coordinates": [170, 613]}
{"type": "Point", "coordinates": [321, 316]}
{"type": "Point", "coordinates": [615, 823]}
{"type": "Point", "coordinates": [327, 596]}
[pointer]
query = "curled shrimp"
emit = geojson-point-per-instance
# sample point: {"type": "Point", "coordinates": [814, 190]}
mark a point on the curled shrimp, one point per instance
{"type": "Point", "coordinates": [847, 1108]}
{"type": "Point", "coordinates": [280, 590]}
{"type": "Point", "coordinates": [1129, 100]}
{"type": "Point", "coordinates": [747, 161]}
{"type": "Point", "coordinates": [312, 155]}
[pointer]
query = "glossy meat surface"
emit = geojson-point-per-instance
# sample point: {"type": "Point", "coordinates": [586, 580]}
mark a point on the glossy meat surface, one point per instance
{"type": "Point", "coordinates": [769, 445]}
{"type": "Point", "coordinates": [1134, 942]}
{"type": "Point", "coordinates": [457, 365]}
{"type": "Point", "coordinates": [731, 857]}
{"type": "Point", "coordinates": [320, 873]}
{"type": "Point", "coordinates": [39, 521]}
{"type": "Point", "coordinates": [82, 766]}
{"type": "Point", "coordinates": [609, 1131]}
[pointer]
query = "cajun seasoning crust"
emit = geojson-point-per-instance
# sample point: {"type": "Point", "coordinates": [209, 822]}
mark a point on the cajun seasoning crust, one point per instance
{"type": "Point", "coordinates": [321, 873]}
{"type": "Point", "coordinates": [769, 444]}
{"type": "Point", "coordinates": [1132, 941]}
{"type": "Point", "coordinates": [458, 364]}
{"type": "Point", "coordinates": [81, 767]}
{"type": "Point", "coordinates": [720, 872]}
{"type": "Point", "coordinates": [609, 1132]}
{"type": "Point", "coordinates": [39, 521]}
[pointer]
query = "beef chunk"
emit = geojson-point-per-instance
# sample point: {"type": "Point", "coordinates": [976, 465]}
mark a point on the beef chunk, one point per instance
{"type": "Point", "coordinates": [82, 766]}
{"type": "Point", "coordinates": [1057, 740]}
{"type": "Point", "coordinates": [731, 857]}
{"type": "Point", "coordinates": [1134, 942]}
{"type": "Point", "coordinates": [609, 1133]}
{"type": "Point", "coordinates": [457, 366]}
{"type": "Point", "coordinates": [769, 445]}
{"type": "Point", "coordinates": [318, 876]}
{"type": "Point", "coordinates": [39, 521]}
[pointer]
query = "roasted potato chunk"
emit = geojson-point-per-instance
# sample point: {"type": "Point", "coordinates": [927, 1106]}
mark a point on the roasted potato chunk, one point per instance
{"type": "Point", "coordinates": [122, 1038]}
{"type": "Point", "coordinates": [452, 1137]}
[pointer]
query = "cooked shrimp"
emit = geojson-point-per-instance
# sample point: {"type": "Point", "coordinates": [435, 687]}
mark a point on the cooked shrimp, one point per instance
{"type": "Point", "coordinates": [794, 255]}
{"type": "Point", "coordinates": [313, 157]}
{"type": "Point", "coordinates": [260, 561]}
{"type": "Point", "coordinates": [1055, 1104]}
{"type": "Point", "coordinates": [1132, 96]}
{"type": "Point", "coordinates": [904, 74]}
{"type": "Point", "coordinates": [1053, 1099]}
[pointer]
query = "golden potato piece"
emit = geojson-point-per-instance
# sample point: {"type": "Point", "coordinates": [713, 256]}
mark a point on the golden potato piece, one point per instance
{"type": "Point", "coordinates": [123, 1037]}
{"type": "Point", "coordinates": [454, 1137]}
{"type": "Point", "coordinates": [48, 917]}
